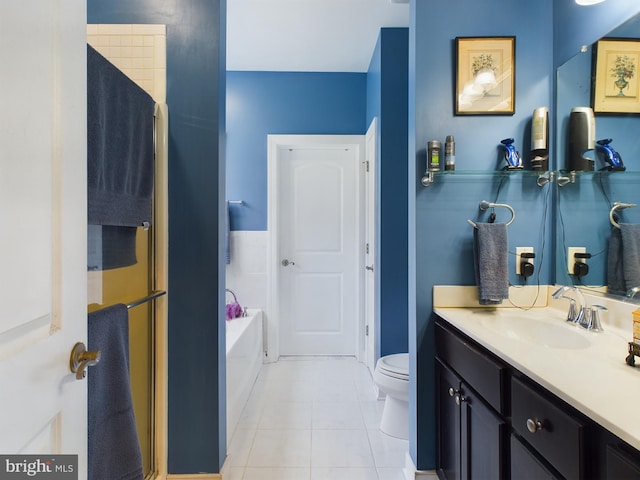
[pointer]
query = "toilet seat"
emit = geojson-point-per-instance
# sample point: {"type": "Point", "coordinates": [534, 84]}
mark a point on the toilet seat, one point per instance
{"type": "Point", "coordinates": [396, 366]}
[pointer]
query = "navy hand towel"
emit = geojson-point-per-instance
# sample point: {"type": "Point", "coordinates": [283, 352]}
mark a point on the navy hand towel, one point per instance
{"type": "Point", "coordinates": [631, 254]}
{"type": "Point", "coordinates": [623, 263]}
{"type": "Point", "coordinates": [113, 446]}
{"type": "Point", "coordinates": [491, 262]}
{"type": "Point", "coordinates": [615, 272]}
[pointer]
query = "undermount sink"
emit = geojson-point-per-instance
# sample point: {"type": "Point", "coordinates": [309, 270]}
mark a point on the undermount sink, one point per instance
{"type": "Point", "coordinates": [525, 327]}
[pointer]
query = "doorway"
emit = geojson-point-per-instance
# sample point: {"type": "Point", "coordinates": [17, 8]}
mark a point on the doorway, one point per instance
{"type": "Point", "coordinates": [316, 255]}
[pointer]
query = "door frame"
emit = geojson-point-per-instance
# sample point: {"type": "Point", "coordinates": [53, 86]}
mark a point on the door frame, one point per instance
{"type": "Point", "coordinates": [372, 342]}
{"type": "Point", "coordinates": [274, 143]}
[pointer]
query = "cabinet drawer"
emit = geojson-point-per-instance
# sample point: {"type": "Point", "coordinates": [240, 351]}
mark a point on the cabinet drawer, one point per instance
{"type": "Point", "coordinates": [558, 436]}
{"type": "Point", "coordinates": [487, 376]}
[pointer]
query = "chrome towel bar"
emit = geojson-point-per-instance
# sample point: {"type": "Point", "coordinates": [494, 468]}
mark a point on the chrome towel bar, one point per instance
{"type": "Point", "coordinates": [484, 205]}
{"type": "Point", "coordinates": [618, 206]}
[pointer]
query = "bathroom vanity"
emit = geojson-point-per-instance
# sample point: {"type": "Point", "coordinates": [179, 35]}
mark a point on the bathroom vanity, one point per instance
{"type": "Point", "coordinates": [525, 395]}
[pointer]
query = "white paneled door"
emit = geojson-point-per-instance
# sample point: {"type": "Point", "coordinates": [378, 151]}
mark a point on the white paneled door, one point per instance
{"type": "Point", "coordinates": [43, 218]}
{"type": "Point", "coordinates": [318, 243]}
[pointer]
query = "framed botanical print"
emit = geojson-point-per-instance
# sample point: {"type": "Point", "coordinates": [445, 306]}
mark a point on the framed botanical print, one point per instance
{"type": "Point", "coordinates": [615, 87]}
{"type": "Point", "coordinates": [485, 76]}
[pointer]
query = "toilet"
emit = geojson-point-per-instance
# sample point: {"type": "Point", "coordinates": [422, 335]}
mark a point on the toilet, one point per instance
{"type": "Point", "coordinates": [391, 376]}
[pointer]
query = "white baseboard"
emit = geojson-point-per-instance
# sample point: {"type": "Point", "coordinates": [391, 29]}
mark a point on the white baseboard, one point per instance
{"type": "Point", "coordinates": [196, 476]}
{"type": "Point", "coordinates": [410, 472]}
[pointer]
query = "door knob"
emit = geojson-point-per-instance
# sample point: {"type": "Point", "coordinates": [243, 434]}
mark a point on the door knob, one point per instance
{"type": "Point", "coordinates": [81, 358]}
{"type": "Point", "coordinates": [286, 263]}
{"type": "Point", "coordinates": [369, 267]}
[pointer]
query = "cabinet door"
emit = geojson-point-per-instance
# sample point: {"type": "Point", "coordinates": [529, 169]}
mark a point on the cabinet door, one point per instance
{"type": "Point", "coordinates": [448, 423]}
{"type": "Point", "coordinates": [621, 465]}
{"type": "Point", "coordinates": [482, 438]}
{"type": "Point", "coordinates": [525, 466]}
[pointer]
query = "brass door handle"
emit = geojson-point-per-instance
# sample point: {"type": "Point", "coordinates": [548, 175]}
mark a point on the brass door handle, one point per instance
{"type": "Point", "coordinates": [81, 358]}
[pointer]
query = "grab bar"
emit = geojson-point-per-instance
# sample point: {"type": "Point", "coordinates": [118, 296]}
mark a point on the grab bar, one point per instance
{"type": "Point", "coordinates": [484, 205]}
{"type": "Point", "coordinates": [618, 206]}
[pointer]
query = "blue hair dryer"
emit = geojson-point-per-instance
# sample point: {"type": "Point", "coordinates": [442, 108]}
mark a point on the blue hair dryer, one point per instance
{"type": "Point", "coordinates": [511, 156]}
{"type": "Point", "coordinates": [609, 155]}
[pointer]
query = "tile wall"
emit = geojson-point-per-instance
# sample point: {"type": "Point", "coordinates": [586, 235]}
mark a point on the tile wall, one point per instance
{"type": "Point", "coordinates": [247, 272]}
{"type": "Point", "coordinates": [138, 50]}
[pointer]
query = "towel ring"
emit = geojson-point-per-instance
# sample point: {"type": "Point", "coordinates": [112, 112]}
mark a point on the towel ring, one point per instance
{"type": "Point", "coordinates": [484, 205]}
{"type": "Point", "coordinates": [618, 206]}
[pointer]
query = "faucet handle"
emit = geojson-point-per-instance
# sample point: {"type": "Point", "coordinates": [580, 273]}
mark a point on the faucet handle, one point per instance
{"type": "Point", "coordinates": [592, 318]}
{"type": "Point", "coordinates": [572, 314]}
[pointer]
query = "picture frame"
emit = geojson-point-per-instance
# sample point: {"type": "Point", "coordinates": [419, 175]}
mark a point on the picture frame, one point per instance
{"type": "Point", "coordinates": [485, 76]}
{"type": "Point", "coordinates": [615, 87]}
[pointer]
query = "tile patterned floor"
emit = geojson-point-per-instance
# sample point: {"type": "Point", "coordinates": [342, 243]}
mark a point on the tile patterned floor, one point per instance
{"type": "Point", "coordinates": [313, 418]}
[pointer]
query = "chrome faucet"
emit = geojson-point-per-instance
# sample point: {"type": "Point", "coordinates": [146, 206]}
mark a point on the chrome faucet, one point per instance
{"type": "Point", "coordinates": [632, 292]}
{"type": "Point", "coordinates": [575, 314]}
{"type": "Point", "coordinates": [591, 320]}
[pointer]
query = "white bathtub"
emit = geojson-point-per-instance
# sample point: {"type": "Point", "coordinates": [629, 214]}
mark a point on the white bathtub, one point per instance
{"type": "Point", "coordinates": [245, 353]}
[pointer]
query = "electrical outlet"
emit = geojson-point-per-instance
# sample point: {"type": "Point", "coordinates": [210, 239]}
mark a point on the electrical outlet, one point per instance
{"type": "Point", "coordinates": [520, 259]}
{"type": "Point", "coordinates": [571, 257]}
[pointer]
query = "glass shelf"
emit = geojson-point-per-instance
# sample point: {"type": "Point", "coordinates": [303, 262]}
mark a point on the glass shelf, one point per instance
{"type": "Point", "coordinates": [562, 177]}
{"type": "Point", "coordinates": [541, 177]}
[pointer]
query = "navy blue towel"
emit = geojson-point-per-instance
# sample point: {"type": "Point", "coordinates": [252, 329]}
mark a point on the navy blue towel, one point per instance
{"type": "Point", "coordinates": [120, 162]}
{"type": "Point", "coordinates": [623, 263]}
{"type": "Point", "coordinates": [113, 445]}
{"type": "Point", "coordinates": [490, 249]}
{"type": "Point", "coordinates": [615, 270]}
{"type": "Point", "coordinates": [120, 153]}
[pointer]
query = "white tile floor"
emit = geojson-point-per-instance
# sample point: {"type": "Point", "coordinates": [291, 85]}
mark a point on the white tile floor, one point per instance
{"type": "Point", "coordinates": [313, 418]}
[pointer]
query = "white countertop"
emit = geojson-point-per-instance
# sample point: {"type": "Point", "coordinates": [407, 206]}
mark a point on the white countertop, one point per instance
{"type": "Point", "coordinates": [585, 369]}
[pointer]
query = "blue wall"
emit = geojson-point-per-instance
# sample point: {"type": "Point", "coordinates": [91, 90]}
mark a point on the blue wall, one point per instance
{"type": "Point", "coordinates": [387, 99]}
{"type": "Point", "coordinates": [575, 25]}
{"type": "Point", "coordinates": [441, 243]}
{"type": "Point", "coordinates": [263, 103]}
{"type": "Point", "coordinates": [195, 86]}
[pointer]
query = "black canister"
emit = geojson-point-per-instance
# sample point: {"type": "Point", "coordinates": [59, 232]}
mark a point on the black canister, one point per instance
{"type": "Point", "coordinates": [582, 139]}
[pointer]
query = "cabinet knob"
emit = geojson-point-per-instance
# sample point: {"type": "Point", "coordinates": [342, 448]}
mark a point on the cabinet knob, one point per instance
{"type": "Point", "coordinates": [534, 425]}
{"type": "Point", "coordinates": [460, 399]}
{"type": "Point", "coordinates": [452, 392]}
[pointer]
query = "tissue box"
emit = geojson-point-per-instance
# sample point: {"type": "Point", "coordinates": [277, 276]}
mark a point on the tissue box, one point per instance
{"type": "Point", "coordinates": [636, 326]}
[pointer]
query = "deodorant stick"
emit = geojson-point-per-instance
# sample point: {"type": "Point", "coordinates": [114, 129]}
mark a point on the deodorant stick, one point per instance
{"type": "Point", "coordinates": [449, 153]}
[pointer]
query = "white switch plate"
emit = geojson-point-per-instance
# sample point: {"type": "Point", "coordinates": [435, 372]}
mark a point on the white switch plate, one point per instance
{"type": "Point", "coordinates": [519, 259]}
{"type": "Point", "coordinates": [571, 260]}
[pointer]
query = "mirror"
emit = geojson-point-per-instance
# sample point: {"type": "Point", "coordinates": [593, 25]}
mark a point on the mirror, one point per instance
{"type": "Point", "coordinates": [585, 201]}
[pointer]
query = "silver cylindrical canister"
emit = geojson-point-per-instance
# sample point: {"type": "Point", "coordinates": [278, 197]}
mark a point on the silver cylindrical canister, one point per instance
{"type": "Point", "coordinates": [449, 153]}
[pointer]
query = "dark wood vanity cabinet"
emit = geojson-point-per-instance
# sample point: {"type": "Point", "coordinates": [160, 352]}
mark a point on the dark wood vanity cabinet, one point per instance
{"type": "Point", "coordinates": [472, 439]}
{"type": "Point", "coordinates": [472, 435]}
{"type": "Point", "coordinates": [493, 422]}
